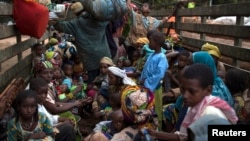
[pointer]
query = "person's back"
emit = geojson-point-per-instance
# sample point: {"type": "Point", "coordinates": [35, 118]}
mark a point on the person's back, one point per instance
{"type": "Point", "coordinates": [90, 40]}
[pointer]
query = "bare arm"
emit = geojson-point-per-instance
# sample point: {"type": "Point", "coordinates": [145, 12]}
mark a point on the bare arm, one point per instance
{"type": "Point", "coordinates": [128, 5]}
{"type": "Point", "coordinates": [61, 107]}
{"type": "Point", "coordinates": [164, 135]}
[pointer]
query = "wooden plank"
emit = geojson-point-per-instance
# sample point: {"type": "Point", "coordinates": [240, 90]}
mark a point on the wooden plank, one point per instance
{"type": "Point", "coordinates": [240, 9]}
{"type": "Point", "coordinates": [242, 54]}
{"type": "Point", "coordinates": [222, 30]}
{"type": "Point", "coordinates": [160, 12]}
{"type": "Point", "coordinates": [15, 49]}
{"type": "Point", "coordinates": [7, 31]}
{"type": "Point", "coordinates": [45, 36]}
{"type": "Point", "coordinates": [21, 67]}
{"type": "Point", "coordinates": [166, 25]}
{"type": "Point", "coordinates": [6, 9]}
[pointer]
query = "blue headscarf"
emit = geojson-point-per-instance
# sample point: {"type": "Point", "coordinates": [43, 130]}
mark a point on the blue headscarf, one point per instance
{"type": "Point", "coordinates": [219, 87]}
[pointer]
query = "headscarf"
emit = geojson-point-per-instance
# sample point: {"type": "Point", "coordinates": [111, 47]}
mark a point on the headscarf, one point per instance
{"type": "Point", "coordinates": [122, 73]}
{"type": "Point", "coordinates": [137, 105]}
{"type": "Point", "coordinates": [50, 54]}
{"type": "Point", "coordinates": [211, 49]}
{"type": "Point", "coordinates": [107, 60]}
{"type": "Point", "coordinates": [41, 66]}
{"type": "Point", "coordinates": [142, 41]}
{"type": "Point", "coordinates": [53, 41]}
{"type": "Point", "coordinates": [219, 88]}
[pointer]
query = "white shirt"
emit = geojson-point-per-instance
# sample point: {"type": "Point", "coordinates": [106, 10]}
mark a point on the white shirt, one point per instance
{"type": "Point", "coordinates": [53, 118]}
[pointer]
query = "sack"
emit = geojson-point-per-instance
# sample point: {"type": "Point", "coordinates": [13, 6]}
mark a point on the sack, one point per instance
{"type": "Point", "coordinates": [105, 10]}
{"type": "Point", "coordinates": [31, 17]}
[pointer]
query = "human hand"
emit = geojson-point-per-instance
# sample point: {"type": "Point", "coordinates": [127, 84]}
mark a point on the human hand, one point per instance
{"type": "Point", "coordinates": [78, 103]}
{"type": "Point", "coordinates": [164, 19]}
{"type": "Point", "coordinates": [152, 132]}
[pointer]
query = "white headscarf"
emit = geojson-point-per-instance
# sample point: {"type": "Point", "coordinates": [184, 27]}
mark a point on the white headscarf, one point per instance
{"type": "Point", "coordinates": [122, 73]}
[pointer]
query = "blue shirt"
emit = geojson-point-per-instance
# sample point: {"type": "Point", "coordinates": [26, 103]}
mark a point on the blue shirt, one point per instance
{"type": "Point", "coordinates": [154, 70]}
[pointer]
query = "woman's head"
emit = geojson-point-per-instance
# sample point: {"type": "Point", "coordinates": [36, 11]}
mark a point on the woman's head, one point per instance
{"type": "Point", "coordinates": [117, 76]}
{"type": "Point", "coordinates": [44, 70]}
{"type": "Point", "coordinates": [26, 105]}
{"type": "Point", "coordinates": [141, 42]}
{"type": "Point", "coordinates": [104, 64]}
{"type": "Point", "coordinates": [236, 81]}
{"type": "Point", "coordinates": [196, 83]}
{"type": "Point", "coordinates": [40, 86]}
{"type": "Point", "coordinates": [204, 58]}
{"type": "Point", "coordinates": [212, 50]}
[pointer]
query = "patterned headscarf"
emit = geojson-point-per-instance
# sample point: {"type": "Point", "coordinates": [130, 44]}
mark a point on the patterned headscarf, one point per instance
{"type": "Point", "coordinates": [122, 73]}
{"type": "Point", "coordinates": [41, 66]}
{"type": "Point", "coordinates": [137, 105]}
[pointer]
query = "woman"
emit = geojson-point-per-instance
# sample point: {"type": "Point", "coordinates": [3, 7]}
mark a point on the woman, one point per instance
{"type": "Point", "coordinates": [137, 104]}
{"type": "Point", "coordinates": [45, 71]}
{"type": "Point", "coordinates": [219, 87]}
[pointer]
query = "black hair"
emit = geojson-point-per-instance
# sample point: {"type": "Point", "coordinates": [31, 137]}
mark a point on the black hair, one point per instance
{"type": "Point", "coordinates": [66, 64]}
{"type": "Point", "coordinates": [201, 72]}
{"type": "Point", "coordinates": [149, 5]}
{"type": "Point", "coordinates": [236, 80]}
{"type": "Point", "coordinates": [21, 96]}
{"type": "Point", "coordinates": [37, 82]}
{"type": "Point", "coordinates": [121, 40]}
{"type": "Point", "coordinates": [184, 53]}
{"type": "Point", "coordinates": [150, 32]}
{"type": "Point", "coordinates": [158, 37]}
{"type": "Point", "coordinates": [116, 99]}
{"type": "Point", "coordinates": [37, 45]}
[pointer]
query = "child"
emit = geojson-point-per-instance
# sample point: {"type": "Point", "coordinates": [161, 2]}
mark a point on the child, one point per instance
{"type": "Point", "coordinates": [127, 66]}
{"type": "Point", "coordinates": [78, 69]}
{"type": "Point", "coordinates": [28, 123]}
{"type": "Point", "coordinates": [196, 90]}
{"type": "Point", "coordinates": [106, 129]}
{"type": "Point", "coordinates": [68, 72]}
{"type": "Point", "coordinates": [236, 83]}
{"type": "Point", "coordinates": [57, 76]}
{"type": "Point", "coordinates": [101, 81]}
{"type": "Point", "coordinates": [63, 124]}
{"type": "Point", "coordinates": [174, 72]}
{"type": "Point", "coordinates": [154, 70]}
{"type": "Point", "coordinates": [39, 51]}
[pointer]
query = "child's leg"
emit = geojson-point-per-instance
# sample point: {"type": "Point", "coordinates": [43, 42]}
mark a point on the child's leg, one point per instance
{"type": "Point", "coordinates": [158, 106]}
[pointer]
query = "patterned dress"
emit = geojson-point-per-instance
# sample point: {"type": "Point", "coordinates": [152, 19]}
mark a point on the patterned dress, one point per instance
{"type": "Point", "coordinates": [17, 133]}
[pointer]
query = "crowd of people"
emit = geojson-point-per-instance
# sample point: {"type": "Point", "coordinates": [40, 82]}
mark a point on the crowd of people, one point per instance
{"type": "Point", "coordinates": [84, 89]}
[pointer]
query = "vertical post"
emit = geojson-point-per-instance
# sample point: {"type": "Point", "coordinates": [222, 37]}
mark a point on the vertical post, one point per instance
{"type": "Point", "coordinates": [18, 40]}
{"type": "Point", "coordinates": [238, 41]}
{"type": "Point", "coordinates": [177, 21]}
{"type": "Point", "coordinates": [203, 21]}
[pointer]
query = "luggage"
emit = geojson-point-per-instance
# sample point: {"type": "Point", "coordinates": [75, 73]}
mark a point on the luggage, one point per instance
{"type": "Point", "coordinates": [31, 18]}
{"type": "Point", "coordinates": [105, 10]}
